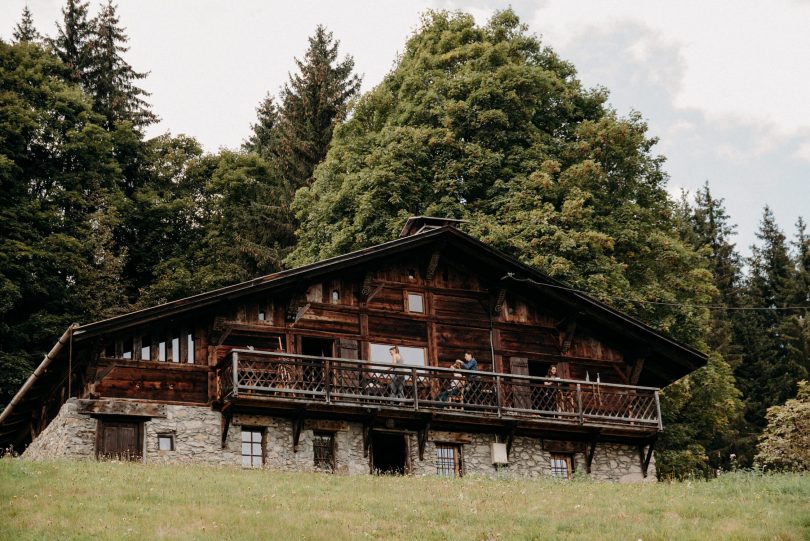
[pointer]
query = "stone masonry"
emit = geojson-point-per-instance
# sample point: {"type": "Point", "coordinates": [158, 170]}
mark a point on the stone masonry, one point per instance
{"type": "Point", "coordinates": [197, 436]}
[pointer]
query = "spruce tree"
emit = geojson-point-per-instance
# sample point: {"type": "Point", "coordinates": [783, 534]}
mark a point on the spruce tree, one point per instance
{"type": "Point", "coordinates": [25, 31]}
{"type": "Point", "coordinates": [313, 101]}
{"type": "Point", "coordinates": [770, 368]}
{"type": "Point", "coordinates": [72, 43]}
{"type": "Point", "coordinates": [110, 79]}
{"type": "Point", "coordinates": [265, 137]}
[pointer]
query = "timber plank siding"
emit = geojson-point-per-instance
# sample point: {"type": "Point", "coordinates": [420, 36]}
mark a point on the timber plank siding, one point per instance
{"type": "Point", "coordinates": [240, 349]}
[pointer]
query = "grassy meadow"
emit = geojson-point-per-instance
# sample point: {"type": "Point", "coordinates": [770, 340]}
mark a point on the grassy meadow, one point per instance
{"type": "Point", "coordinates": [90, 500]}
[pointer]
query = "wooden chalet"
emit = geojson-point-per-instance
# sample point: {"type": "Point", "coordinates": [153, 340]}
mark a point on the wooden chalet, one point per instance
{"type": "Point", "coordinates": [294, 371]}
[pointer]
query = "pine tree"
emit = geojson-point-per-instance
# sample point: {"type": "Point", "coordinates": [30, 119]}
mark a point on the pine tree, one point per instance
{"type": "Point", "coordinates": [72, 43]}
{"type": "Point", "coordinates": [265, 137]}
{"type": "Point", "coordinates": [110, 79]}
{"type": "Point", "coordinates": [25, 31]}
{"type": "Point", "coordinates": [313, 101]}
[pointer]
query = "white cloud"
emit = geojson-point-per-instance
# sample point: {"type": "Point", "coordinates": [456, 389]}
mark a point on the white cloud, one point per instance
{"type": "Point", "coordinates": [803, 152]}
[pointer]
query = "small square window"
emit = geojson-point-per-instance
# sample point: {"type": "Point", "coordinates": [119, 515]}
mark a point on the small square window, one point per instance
{"type": "Point", "coordinates": [416, 303]}
{"type": "Point", "coordinates": [262, 316]}
{"type": "Point", "coordinates": [561, 466]}
{"type": "Point", "coordinates": [252, 448]}
{"type": "Point", "coordinates": [448, 460]}
{"type": "Point", "coordinates": [166, 442]}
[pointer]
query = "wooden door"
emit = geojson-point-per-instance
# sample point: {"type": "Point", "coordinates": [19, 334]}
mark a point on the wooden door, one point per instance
{"type": "Point", "coordinates": [119, 439]}
{"type": "Point", "coordinates": [347, 376]}
{"type": "Point", "coordinates": [521, 390]}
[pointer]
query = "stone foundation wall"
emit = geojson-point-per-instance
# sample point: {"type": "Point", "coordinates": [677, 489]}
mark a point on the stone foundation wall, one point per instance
{"type": "Point", "coordinates": [197, 436]}
{"type": "Point", "coordinates": [69, 435]}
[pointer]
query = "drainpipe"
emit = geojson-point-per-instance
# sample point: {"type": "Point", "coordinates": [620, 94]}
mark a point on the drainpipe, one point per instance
{"type": "Point", "coordinates": [43, 366]}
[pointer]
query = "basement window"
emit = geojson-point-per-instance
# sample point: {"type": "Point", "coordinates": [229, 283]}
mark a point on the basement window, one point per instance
{"type": "Point", "coordinates": [323, 447]}
{"type": "Point", "coordinates": [166, 442]}
{"type": "Point", "coordinates": [448, 460]}
{"type": "Point", "coordinates": [252, 447]}
{"type": "Point", "coordinates": [561, 465]}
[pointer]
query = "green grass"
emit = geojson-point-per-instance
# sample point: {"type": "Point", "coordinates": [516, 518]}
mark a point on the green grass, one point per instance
{"type": "Point", "coordinates": [90, 500]}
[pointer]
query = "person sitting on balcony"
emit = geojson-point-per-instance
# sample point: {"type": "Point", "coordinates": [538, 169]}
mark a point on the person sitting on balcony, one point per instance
{"type": "Point", "coordinates": [473, 380]}
{"type": "Point", "coordinates": [455, 391]}
{"type": "Point", "coordinates": [397, 386]}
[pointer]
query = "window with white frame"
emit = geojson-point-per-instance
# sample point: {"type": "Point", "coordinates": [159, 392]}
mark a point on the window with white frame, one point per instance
{"type": "Point", "coordinates": [252, 447]}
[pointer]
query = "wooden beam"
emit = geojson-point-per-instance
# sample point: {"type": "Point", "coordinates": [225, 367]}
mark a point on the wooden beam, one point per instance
{"type": "Point", "coordinates": [121, 407]}
{"type": "Point", "coordinates": [367, 287]}
{"type": "Point", "coordinates": [374, 292]}
{"type": "Point", "coordinates": [499, 300]}
{"type": "Point", "coordinates": [591, 451]}
{"type": "Point", "coordinates": [509, 438]}
{"type": "Point", "coordinates": [298, 425]}
{"type": "Point", "coordinates": [635, 375]}
{"type": "Point", "coordinates": [433, 264]}
{"type": "Point", "coordinates": [568, 337]}
{"type": "Point", "coordinates": [645, 459]}
{"type": "Point", "coordinates": [226, 424]}
{"type": "Point", "coordinates": [423, 437]}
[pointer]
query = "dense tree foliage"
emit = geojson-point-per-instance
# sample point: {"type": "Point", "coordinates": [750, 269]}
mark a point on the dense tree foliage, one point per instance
{"type": "Point", "coordinates": [785, 443]}
{"type": "Point", "coordinates": [485, 124]}
{"type": "Point", "coordinates": [57, 209]}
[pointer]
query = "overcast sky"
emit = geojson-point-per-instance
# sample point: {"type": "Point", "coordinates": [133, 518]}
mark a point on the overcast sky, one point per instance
{"type": "Point", "coordinates": [723, 85]}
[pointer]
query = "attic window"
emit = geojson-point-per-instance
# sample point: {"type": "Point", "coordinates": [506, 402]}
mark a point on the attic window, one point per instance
{"type": "Point", "coordinates": [335, 296]}
{"type": "Point", "coordinates": [411, 274]}
{"type": "Point", "coordinates": [262, 316]}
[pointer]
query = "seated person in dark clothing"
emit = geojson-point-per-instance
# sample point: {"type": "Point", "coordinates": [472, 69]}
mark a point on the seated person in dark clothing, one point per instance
{"type": "Point", "coordinates": [473, 380]}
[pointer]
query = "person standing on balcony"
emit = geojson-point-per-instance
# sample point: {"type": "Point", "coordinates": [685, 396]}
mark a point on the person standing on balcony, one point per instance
{"type": "Point", "coordinates": [397, 386]}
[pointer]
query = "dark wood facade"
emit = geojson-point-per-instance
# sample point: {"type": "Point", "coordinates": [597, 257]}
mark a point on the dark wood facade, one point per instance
{"type": "Point", "coordinates": [313, 339]}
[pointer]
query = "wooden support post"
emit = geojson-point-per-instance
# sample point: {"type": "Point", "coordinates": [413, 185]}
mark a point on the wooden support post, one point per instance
{"type": "Point", "coordinates": [591, 451]}
{"type": "Point", "coordinates": [509, 438]}
{"type": "Point", "coordinates": [645, 459]}
{"type": "Point", "coordinates": [298, 425]}
{"type": "Point", "coordinates": [226, 424]}
{"type": "Point", "coordinates": [367, 436]}
{"type": "Point", "coordinates": [423, 437]}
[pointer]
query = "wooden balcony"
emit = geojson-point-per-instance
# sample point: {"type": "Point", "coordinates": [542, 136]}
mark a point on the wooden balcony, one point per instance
{"type": "Point", "coordinates": [261, 380]}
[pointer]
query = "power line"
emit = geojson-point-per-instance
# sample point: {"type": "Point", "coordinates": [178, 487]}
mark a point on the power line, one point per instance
{"type": "Point", "coordinates": [511, 276]}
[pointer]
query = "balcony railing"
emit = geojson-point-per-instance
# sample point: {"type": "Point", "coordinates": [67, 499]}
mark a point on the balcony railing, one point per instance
{"type": "Point", "coordinates": [344, 382]}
